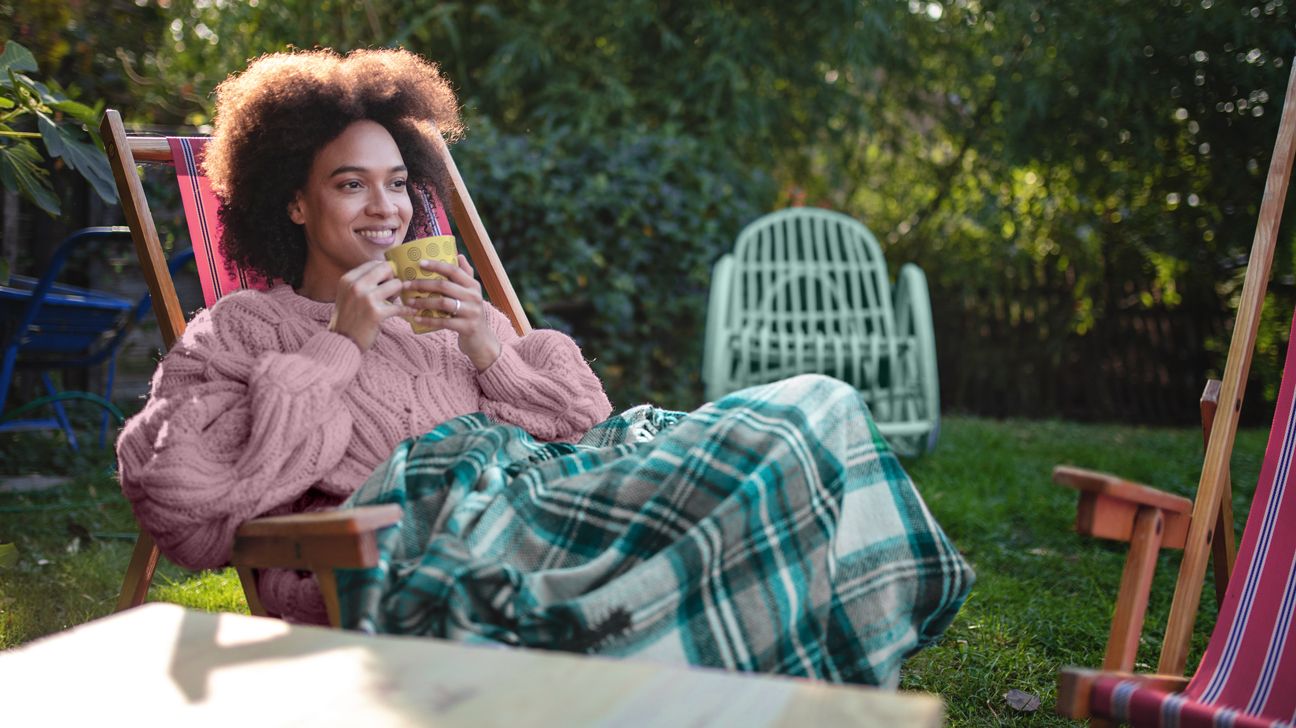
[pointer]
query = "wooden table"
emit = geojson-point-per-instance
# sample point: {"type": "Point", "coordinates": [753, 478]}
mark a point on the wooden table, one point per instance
{"type": "Point", "coordinates": [163, 664]}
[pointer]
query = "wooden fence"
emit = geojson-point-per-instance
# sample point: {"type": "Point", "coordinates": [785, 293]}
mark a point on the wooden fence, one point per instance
{"type": "Point", "coordinates": [1013, 351]}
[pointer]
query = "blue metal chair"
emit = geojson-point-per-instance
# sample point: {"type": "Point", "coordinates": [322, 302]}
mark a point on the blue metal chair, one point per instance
{"type": "Point", "coordinates": [47, 326]}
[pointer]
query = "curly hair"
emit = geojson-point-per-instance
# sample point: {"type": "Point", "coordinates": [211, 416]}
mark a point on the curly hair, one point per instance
{"type": "Point", "coordinates": [273, 118]}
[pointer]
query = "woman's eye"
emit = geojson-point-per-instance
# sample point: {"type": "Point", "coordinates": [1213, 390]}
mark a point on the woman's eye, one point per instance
{"type": "Point", "coordinates": [398, 183]}
{"type": "Point", "coordinates": [351, 185]}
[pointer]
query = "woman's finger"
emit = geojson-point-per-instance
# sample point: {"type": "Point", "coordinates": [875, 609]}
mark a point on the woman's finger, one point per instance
{"type": "Point", "coordinates": [444, 287]}
{"type": "Point", "coordinates": [461, 273]}
{"type": "Point", "coordinates": [389, 289]}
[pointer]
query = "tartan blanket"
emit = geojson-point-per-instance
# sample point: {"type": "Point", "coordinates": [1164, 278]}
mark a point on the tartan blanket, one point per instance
{"type": "Point", "coordinates": [772, 530]}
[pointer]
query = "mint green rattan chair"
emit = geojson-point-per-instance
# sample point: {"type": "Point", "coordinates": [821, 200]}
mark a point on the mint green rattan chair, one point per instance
{"type": "Point", "coordinates": [806, 291]}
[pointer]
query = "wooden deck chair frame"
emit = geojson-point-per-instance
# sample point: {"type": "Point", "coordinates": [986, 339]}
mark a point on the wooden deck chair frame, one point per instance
{"type": "Point", "coordinates": [317, 542]}
{"type": "Point", "coordinates": [1111, 507]}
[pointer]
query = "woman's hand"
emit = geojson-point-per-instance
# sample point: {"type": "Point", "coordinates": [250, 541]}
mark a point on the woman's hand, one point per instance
{"type": "Point", "coordinates": [366, 296]}
{"type": "Point", "coordinates": [461, 297]}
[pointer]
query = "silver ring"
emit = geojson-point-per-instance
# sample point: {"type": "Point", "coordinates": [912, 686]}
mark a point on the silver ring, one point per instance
{"type": "Point", "coordinates": [458, 305]}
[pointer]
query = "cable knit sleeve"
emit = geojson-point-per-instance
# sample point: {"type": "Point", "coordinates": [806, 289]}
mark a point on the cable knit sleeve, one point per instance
{"type": "Point", "coordinates": [233, 428]}
{"type": "Point", "coordinates": [542, 383]}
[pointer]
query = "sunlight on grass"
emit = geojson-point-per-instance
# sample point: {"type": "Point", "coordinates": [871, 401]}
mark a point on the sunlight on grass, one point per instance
{"type": "Point", "coordinates": [211, 591]}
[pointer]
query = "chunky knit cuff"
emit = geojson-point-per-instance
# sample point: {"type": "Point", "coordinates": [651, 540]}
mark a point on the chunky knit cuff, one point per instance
{"type": "Point", "coordinates": [542, 383]}
{"type": "Point", "coordinates": [336, 352]}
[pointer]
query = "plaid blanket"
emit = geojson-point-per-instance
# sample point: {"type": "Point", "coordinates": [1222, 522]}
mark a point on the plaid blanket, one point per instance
{"type": "Point", "coordinates": [772, 530]}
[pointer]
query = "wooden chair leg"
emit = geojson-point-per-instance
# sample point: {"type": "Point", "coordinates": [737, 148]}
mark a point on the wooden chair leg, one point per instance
{"type": "Point", "coordinates": [139, 574]}
{"type": "Point", "coordinates": [1136, 582]}
{"type": "Point", "coordinates": [247, 576]}
{"type": "Point", "coordinates": [327, 579]}
{"type": "Point", "coordinates": [1223, 542]}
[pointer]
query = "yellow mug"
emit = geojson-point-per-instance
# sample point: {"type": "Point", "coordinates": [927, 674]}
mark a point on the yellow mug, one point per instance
{"type": "Point", "coordinates": [404, 261]}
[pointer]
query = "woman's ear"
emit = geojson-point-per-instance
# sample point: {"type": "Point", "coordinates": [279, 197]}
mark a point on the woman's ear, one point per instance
{"type": "Point", "coordinates": [295, 211]}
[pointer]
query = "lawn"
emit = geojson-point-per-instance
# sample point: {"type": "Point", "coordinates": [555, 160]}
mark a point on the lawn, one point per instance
{"type": "Point", "coordinates": [1042, 599]}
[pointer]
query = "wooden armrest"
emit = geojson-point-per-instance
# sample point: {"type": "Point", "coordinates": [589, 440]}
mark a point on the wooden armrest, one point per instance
{"type": "Point", "coordinates": [324, 523]}
{"type": "Point", "coordinates": [340, 539]}
{"type": "Point", "coordinates": [1092, 481]}
{"type": "Point", "coordinates": [1075, 687]}
{"type": "Point", "coordinates": [1109, 504]}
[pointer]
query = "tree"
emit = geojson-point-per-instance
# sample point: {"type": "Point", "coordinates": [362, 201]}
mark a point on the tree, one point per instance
{"type": "Point", "coordinates": [66, 129]}
{"type": "Point", "coordinates": [1057, 169]}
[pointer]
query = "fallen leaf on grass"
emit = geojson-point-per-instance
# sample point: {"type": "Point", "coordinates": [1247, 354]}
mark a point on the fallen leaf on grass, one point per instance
{"type": "Point", "coordinates": [1022, 701]}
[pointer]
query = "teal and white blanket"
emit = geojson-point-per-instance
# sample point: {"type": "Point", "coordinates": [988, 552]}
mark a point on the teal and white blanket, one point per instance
{"type": "Point", "coordinates": [770, 531]}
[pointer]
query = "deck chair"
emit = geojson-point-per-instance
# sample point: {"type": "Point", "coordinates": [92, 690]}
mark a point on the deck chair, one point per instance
{"type": "Point", "coordinates": [317, 542]}
{"type": "Point", "coordinates": [1247, 676]}
{"type": "Point", "coordinates": [806, 291]}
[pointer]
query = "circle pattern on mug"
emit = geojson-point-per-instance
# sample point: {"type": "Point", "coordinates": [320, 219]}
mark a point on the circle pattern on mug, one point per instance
{"type": "Point", "coordinates": [413, 254]}
{"type": "Point", "coordinates": [409, 273]}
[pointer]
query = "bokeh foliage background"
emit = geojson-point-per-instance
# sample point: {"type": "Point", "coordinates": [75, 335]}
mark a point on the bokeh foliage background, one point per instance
{"type": "Point", "coordinates": [1080, 181]}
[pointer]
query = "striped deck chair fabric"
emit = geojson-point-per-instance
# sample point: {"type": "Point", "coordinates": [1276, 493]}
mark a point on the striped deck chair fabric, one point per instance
{"type": "Point", "coordinates": [1247, 676]}
{"type": "Point", "coordinates": [200, 206]}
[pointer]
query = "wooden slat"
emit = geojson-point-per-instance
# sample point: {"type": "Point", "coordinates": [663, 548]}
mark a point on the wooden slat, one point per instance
{"type": "Point", "coordinates": [1224, 545]}
{"type": "Point", "coordinates": [1192, 570]}
{"type": "Point", "coordinates": [1102, 516]}
{"type": "Point", "coordinates": [166, 305]}
{"type": "Point", "coordinates": [247, 576]}
{"type": "Point", "coordinates": [1135, 587]}
{"type": "Point", "coordinates": [1075, 686]}
{"type": "Point", "coordinates": [498, 287]}
{"type": "Point", "coordinates": [1100, 483]}
{"type": "Point", "coordinates": [149, 149]}
{"type": "Point", "coordinates": [308, 553]}
{"type": "Point", "coordinates": [139, 573]}
{"type": "Point", "coordinates": [327, 579]}
{"type": "Point", "coordinates": [324, 523]}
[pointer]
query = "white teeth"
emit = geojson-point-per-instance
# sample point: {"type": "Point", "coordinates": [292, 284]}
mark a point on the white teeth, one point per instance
{"type": "Point", "coordinates": [376, 234]}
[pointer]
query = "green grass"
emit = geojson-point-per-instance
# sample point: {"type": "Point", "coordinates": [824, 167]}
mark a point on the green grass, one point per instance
{"type": "Point", "coordinates": [73, 543]}
{"type": "Point", "coordinates": [1044, 595]}
{"type": "Point", "coordinates": [1042, 600]}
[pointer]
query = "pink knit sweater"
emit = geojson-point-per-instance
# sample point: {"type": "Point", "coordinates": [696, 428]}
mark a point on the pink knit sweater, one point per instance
{"type": "Point", "coordinates": [260, 410]}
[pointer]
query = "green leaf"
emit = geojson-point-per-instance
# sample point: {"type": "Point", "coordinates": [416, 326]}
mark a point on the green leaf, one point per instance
{"type": "Point", "coordinates": [62, 141]}
{"type": "Point", "coordinates": [40, 90]}
{"type": "Point", "coordinates": [50, 135]}
{"type": "Point", "coordinates": [20, 170]}
{"type": "Point", "coordinates": [17, 58]}
{"type": "Point", "coordinates": [76, 110]}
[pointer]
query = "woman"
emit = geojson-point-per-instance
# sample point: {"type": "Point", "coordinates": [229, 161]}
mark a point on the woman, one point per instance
{"type": "Point", "coordinates": [772, 530]}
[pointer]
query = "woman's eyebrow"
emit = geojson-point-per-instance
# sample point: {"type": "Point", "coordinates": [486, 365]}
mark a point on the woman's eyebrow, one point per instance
{"type": "Point", "coordinates": [347, 169]}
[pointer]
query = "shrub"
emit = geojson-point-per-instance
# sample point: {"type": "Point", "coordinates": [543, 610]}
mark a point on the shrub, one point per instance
{"type": "Point", "coordinates": [611, 238]}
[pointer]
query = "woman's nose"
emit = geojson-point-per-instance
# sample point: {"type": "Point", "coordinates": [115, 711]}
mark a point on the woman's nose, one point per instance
{"type": "Point", "coordinates": [380, 203]}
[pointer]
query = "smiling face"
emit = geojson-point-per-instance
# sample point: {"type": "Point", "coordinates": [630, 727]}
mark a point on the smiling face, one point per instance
{"type": "Point", "coordinates": [354, 205]}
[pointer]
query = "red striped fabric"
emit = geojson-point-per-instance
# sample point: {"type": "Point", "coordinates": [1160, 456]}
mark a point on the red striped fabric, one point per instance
{"type": "Point", "coordinates": [1247, 676]}
{"type": "Point", "coordinates": [201, 204]}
